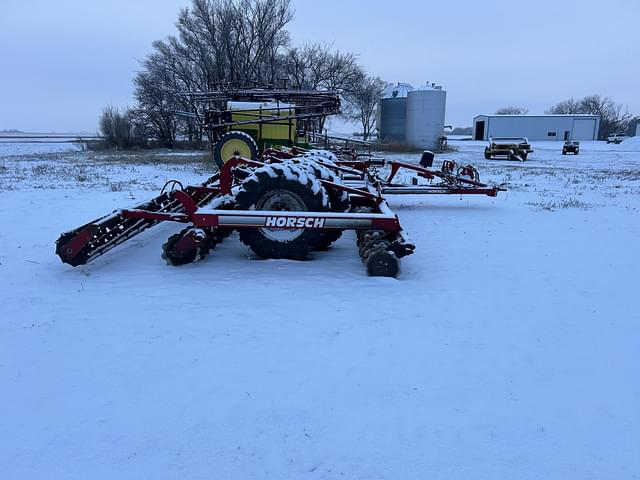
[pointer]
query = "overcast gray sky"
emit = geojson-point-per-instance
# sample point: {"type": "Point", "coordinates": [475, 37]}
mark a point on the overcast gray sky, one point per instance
{"type": "Point", "coordinates": [62, 61]}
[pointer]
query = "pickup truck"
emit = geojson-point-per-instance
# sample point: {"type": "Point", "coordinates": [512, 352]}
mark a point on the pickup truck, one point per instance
{"type": "Point", "coordinates": [616, 138]}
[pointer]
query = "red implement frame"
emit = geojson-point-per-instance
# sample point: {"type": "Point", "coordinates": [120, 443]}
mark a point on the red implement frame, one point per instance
{"type": "Point", "coordinates": [189, 205]}
{"type": "Point", "coordinates": [371, 194]}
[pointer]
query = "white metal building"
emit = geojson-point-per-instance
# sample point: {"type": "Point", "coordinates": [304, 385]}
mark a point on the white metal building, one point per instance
{"type": "Point", "coordinates": [537, 127]}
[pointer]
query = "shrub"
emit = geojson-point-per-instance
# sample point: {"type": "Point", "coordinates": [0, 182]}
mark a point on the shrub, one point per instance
{"type": "Point", "coordinates": [118, 130]}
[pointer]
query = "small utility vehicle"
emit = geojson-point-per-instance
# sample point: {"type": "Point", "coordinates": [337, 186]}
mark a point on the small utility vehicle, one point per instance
{"type": "Point", "coordinates": [571, 147]}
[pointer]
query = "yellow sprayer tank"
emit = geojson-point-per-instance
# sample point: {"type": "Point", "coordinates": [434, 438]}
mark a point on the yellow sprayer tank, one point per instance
{"type": "Point", "coordinates": [273, 132]}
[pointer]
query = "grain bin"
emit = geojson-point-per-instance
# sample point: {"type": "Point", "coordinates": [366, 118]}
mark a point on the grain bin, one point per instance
{"type": "Point", "coordinates": [426, 108]}
{"type": "Point", "coordinates": [392, 112]}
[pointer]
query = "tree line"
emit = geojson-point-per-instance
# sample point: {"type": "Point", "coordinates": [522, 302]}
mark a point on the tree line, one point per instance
{"type": "Point", "coordinates": [614, 118]}
{"type": "Point", "coordinates": [232, 42]}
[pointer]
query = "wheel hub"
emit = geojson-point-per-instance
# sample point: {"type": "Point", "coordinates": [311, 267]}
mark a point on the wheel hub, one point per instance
{"type": "Point", "coordinates": [281, 201]}
{"type": "Point", "coordinates": [233, 147]}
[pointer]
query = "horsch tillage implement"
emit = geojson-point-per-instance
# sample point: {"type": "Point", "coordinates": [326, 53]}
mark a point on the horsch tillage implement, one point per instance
{"type": "Point", "coordinates": [288, 204]}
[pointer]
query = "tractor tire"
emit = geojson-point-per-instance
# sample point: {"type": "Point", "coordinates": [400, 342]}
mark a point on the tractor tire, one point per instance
{"type": "Point", "coordinates": [524, 157]}
{"type": "Point", "coordinates": [324, 155]}
{"type": "Point", "coordinates": [282, 187]}
{"type": "Point", "coordinates": [234, 143]}
{"type": "Point", "coordinates": [487, 155]}
{"type": "Point", "coordinates": [338, 200]}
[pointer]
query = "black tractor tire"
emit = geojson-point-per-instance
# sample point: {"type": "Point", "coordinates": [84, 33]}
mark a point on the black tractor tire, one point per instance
{"type": "Point", "coordinates": [338, 200]}
{"type": "Point", "coordinates": [487, 155]}
{"type": "Point", "coordinates": [324, 156]}
{"type": "Point", "coordinates": [234, 143]}
{"type": "Point", "coordinates": [282, 187]}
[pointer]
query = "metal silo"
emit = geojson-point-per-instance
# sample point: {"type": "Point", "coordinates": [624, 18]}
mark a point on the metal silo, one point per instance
{"type": "Point", "coordinates": [392, 112]}
{"type": "Point", "coordinates": [425, 117]}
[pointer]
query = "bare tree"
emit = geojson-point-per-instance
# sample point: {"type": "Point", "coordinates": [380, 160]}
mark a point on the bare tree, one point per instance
{"type": "Point", "coordinates": [229, 42]}
{"type": "Point", "coordinates": [297, 66]}
{"type": "Point", "coordinates": [332, 70]}
{"type": "Point", "coordinates": [156, 96]}
{"type": "Point", "coordinates": [613, 116]}
{"type": "Point", "coordinates": [317, 66]}
{"type": "Point", "coordinates": [567, 107]}
{"type": "Point", "coordinates": [219, 42]}
{"type": "Point", "coordinates": [235, 41]}
{"type": "Point", "coordinates": [513, 110]}
{"type": "Point", "coordinates": [362, 100]}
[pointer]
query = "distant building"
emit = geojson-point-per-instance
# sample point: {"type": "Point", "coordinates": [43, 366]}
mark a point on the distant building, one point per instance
{"type": "Point", "coordinates": [634, 128]}
{"type": "Point", "coordinates": [537, 127]}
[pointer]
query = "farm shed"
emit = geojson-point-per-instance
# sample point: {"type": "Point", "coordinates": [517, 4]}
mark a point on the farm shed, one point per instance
{"type": "Point", "coordinates": [537, 127]}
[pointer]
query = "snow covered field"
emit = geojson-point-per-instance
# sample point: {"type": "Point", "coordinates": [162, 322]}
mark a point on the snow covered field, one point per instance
{"type": "Point", "coordinates": [15, 149]}
{"type": "Point", "coordinates": [509, 347]}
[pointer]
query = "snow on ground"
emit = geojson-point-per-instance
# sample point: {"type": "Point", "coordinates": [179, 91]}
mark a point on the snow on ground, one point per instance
{"type": "Point", "coordinates": [629, 144]}
{"type": "Point", "coordinates": [508, 348]}
{"type": "Point", "coordinates": [16, 149]}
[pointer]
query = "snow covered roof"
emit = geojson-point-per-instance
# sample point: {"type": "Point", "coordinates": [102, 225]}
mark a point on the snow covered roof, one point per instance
{"type": "Point", "coordinates": [397, 90]}
{"type": "Point", "coordinates": [429, 86]}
